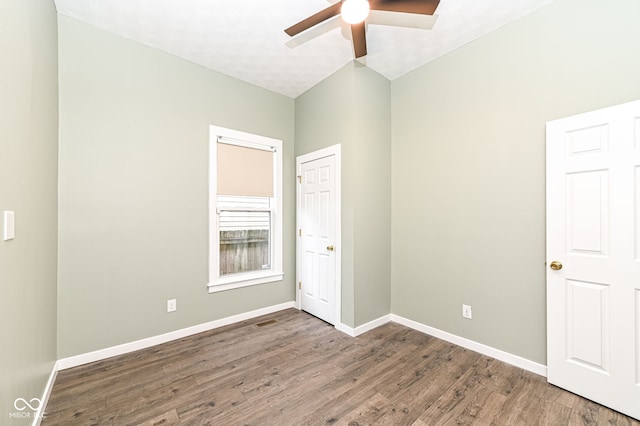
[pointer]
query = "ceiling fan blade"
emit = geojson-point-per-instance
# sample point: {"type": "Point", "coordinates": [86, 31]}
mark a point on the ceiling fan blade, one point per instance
{"type": "Point", "coordinates": [423, 7]}
{"type": "Point", "coordinates": [359, 39]}
{"type": "Point", "coordinates": [315, 19]}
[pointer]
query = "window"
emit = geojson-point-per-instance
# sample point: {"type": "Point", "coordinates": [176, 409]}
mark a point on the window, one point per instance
{"type": "Point", "coordinates": [245, 209]}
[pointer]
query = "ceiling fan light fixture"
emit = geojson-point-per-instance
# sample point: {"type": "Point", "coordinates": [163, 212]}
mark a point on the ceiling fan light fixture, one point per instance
{"type": "Point", "coordinates": [354, 11]}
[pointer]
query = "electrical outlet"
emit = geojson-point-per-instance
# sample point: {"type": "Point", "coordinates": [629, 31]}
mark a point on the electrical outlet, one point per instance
{"type": "Point", "coordinates": [171, 305]}
{"type": "Point", "coordinates": [466, 311]}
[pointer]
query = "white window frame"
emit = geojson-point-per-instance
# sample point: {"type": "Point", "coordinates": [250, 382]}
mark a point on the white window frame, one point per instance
{"type": "Point", "coordinates": [275, 273]}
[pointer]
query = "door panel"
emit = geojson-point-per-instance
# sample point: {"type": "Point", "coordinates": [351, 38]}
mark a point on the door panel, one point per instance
{"type": "Point", "coordinates": [324, 276]}
{"type": "Point", "coordinates": [588, 324]}
{"type": "Point", "coordinates": [588, 140]}
{"type": "Point", "coordinates": [593, 214]}
{"type": "Point", "coordinates": [587, 212]}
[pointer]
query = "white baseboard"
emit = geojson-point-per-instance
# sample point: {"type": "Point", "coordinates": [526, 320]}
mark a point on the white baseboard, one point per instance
{"type": "Point", "coordinates": [45, 395]}
{"type": "Point", "coordinates": [353, 332]}
{"type": "Point", "coordinates": [498, 354]}
{"type": "Point", "coordinates": [101, 354]}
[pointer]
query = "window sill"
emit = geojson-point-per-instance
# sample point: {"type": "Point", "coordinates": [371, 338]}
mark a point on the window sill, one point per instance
{"type": "Point", "coordinates": [246, 280]}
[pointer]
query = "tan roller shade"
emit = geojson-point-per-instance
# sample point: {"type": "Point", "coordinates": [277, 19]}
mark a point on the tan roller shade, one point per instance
{"type": "Point", "coordinates": [244, 171]}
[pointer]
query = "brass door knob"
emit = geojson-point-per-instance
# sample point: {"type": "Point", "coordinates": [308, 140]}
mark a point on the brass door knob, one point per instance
{"type": "Point", "coordinates": [330, 248]}
{"type": "Point", "coordinates": [555, 265]}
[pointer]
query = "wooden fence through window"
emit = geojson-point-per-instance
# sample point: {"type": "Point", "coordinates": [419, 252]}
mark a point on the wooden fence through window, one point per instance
{"type": "Point", "coordinates": [244, 251]}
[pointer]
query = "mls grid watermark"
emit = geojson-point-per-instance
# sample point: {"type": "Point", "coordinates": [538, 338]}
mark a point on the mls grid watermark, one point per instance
{"type": "Point", "coordinates": [25, 409]}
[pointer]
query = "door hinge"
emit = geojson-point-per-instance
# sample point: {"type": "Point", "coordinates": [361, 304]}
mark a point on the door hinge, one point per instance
{"type": "Point", "coordinates": [299, 179]}
{"type": "Point", "coordinates": [299, 285]}
{"type": "Point", "coordinates": [299, 232]}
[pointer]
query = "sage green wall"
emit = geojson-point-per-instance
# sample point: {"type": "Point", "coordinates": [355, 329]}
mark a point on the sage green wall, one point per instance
{"type": "Point", "coordinates": [372, 194]}
{"type": "Point", "coordinates": [469, 165]}
{"type": "Point", "coordinates": [28, 186]}
{"type": "Point", "coordinates": [134, 135]}
{"type": "Point", "coordinates": [352, 108]}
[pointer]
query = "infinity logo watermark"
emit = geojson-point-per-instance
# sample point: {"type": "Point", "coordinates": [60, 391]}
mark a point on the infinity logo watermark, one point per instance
{"type": "Point", "coordinates": [22, 405]}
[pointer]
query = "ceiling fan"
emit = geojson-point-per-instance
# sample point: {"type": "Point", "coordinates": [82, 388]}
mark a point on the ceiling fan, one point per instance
{"type": "Point", "coordinates": [354, 12]}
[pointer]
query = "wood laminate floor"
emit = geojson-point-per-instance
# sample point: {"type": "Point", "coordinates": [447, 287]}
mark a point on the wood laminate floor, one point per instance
{"type": "Point", "coordinates": [294, 369]}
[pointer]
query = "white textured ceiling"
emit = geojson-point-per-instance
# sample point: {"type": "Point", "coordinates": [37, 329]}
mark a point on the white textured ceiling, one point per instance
{"type": "Point", "coordinates": [245, 38]}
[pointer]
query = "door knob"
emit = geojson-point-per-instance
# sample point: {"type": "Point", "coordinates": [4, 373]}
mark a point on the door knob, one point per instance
{"type": "Point", "coordinates": [330, 248]}
{"type": "Point", "coordinates": [555, 265]}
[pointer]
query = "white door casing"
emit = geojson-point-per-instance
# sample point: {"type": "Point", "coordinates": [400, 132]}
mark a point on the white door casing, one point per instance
{"type": "Point", "coordinates": [318, 219]}
{"type": "Point", "coordinates": [593, 231]}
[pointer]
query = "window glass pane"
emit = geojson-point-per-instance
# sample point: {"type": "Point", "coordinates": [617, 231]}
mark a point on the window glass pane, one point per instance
{"type": "Point", "coordinates": [245, 234]}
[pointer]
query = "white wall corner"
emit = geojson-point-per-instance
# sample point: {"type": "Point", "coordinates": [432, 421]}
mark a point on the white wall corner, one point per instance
{"type": "Point", "coordinates": [349, 331]}
{"type": "Point", "coordinates": [498, 354]}
{"type": "Point", "coordinates": [354, 332]}
{"type": "Point", "coordinates": [372, 324]}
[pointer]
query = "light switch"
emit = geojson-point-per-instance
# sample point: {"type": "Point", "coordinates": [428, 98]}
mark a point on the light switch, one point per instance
{"type": "Point", "coordinates": [9, 225]}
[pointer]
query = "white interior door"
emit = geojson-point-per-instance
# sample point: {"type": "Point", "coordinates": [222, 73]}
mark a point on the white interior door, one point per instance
{"type": "Point", "coordinates": [593, 240]}
{"type": "Point", "coordinates": [318, 248]}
